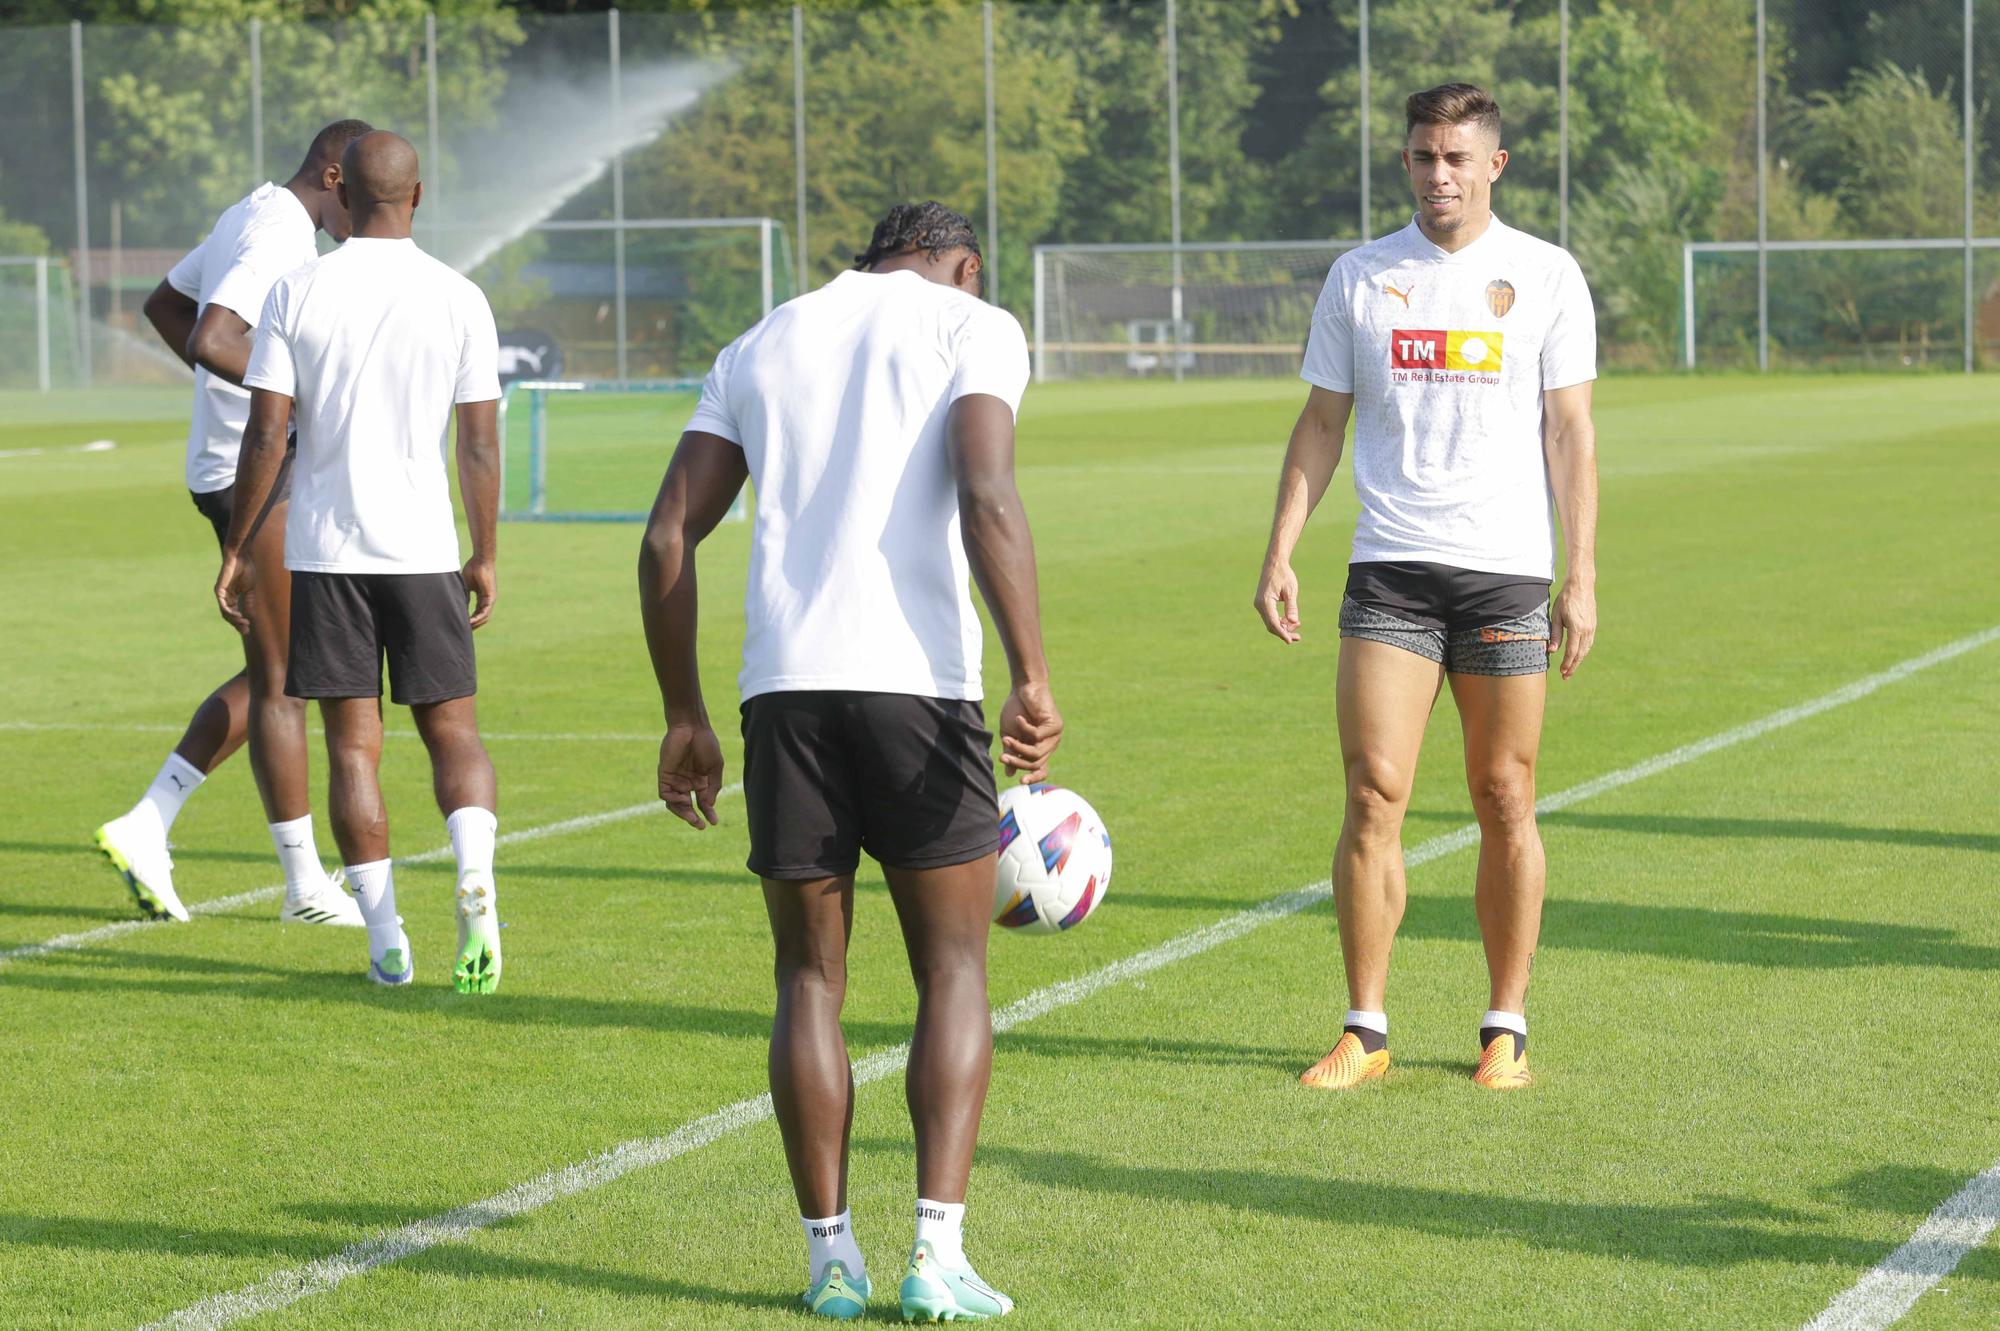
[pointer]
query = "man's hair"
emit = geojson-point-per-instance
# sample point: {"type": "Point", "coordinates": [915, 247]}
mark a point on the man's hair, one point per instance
{"type": "Point", "coordinates": [1453, 104]}
{"type": "Point", "coordinates": [331, 142]}
{"type": "Point", "coordinates": [909, 227]}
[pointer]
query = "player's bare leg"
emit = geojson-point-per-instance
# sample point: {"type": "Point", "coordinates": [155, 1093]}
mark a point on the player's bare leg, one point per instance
{"type": "Point", "coordinates": [361, 829]}
{"type": "Point", "coordinates": [219, 726]}
{"type": "Point", "coordinates": [946, 914]}
{"type": "Point", "coordinates": [1502, 719]}
{"type": "Point", "coordinates": [468, 797]}
{"type": "Point", "coordinates": [812, 1084]}
{"type": "Point", "coordinates": [1384, 698]}
{"type": "Point", "coordinates": [277, 724]}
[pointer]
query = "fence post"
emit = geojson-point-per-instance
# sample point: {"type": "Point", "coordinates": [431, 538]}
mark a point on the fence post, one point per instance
{"type": "Point", "coordinates": [434, 159]}
{"type": "Point", "coordinates": [993, 169]}
{"type": "Point", "coordinates": [1971, 321]}
{"type": "Point", "coordinates": [42, 322]}
{"type": "Point", "coordinates": [1562, 120]}
{"type": "Point", "coordinates": [1763, 210]}
{"type": "Point", "coordinates": [256, 99]}
{"type": "Point", "coordinates": [799, 143]}
{"type": "Point", "coordinates": [82, 206]}
{"type": "Point", "coordinates": [764, 245]}
{"type": "Point", "coordinates": [1174, 170]}
{"type": "Point", "coordinates": [617, 193]}
{"type": "Point", "coordinates": [1365, 233]}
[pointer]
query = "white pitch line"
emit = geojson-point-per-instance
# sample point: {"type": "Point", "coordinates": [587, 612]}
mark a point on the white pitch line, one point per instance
{"type": "Point", "coordinates": [222, 905]}
{"type": "Point", "coordinates": [94, 446]}
{"type": "Point", "coordinates": [1893, 1286]}
{"type": "Point", "coordinates": [283, 1288]}
{"type": "Point", "coordinates": [149, 728]}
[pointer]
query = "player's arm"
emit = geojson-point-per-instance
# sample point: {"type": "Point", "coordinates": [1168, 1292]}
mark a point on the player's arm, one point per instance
{"type": "Point", "coordinates": [702, 481]}
{"type": "Point", "coordinates": [256, 472]}
{"type": "Point", "coordinates": [220, 343]}
{"type": "Point", "coordinates": [479, 490]}
{"type": "Point", "coordinates": [1569, 443]}
{"type": "Point", "coordinates": [1001, 551]}
{"type": "Point", "coordinates": [1310, 459]}
{"type": "Point", "coordinates": [173, 315]}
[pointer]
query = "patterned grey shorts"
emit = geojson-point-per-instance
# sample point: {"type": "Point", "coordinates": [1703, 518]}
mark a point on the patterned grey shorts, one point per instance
{"type": "Point", "coordinates": [1511, 647]}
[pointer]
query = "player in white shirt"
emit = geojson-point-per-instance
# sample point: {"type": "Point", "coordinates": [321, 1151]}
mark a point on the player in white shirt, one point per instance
{"type": "Point", "coordinates": [1465, 350]}
{"type": "Point", "coordinates": [206, 311]}
{"type": "Point", "coordinates": [371, 350]}
{"type": "Point", "coordinates": [876, 417]}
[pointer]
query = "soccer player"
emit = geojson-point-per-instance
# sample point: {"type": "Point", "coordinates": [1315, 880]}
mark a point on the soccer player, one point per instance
{"type": "Point", "coordinates": [1469, 348]}
{"type": "Point", "coordinates": [206, 310]}
{"type": "Point", "coordinates": [369, 350]}
{"type": "Point", "coordinates": [876, 416]}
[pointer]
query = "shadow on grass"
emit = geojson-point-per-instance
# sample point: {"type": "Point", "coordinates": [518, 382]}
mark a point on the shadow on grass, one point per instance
{"type": "Point", "coordinates": [82, 848]}
{"type": "Point", "coordinates": [122, 971]}
{"type": "Point", "coordinates": [1711, 1231]}
{"type": "Point", "coordinates": [1180, 1053]}
{"type": "Point", "coordinates": [72, 1233]}
{"type": "Point", "coordinates": [1746, 829]}
{"type": "Point", "coordinates": [61, 911]}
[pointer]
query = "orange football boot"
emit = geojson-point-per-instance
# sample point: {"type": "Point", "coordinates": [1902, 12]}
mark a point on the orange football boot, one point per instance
{"type": "Point", "coordinates": [1347, 1066]}
{"type": "Point", "coordinates": [1503, 1064]}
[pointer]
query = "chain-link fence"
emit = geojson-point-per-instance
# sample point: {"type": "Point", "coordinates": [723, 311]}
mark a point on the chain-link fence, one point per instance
{"type": "Point", "coordinates": [1754, 183]}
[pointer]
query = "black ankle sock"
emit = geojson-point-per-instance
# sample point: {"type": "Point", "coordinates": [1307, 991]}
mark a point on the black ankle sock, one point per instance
{"type": "Point", "coordinates": [1371, 1041]}
{"type": "Point", "coordinates": [1488, 1034]}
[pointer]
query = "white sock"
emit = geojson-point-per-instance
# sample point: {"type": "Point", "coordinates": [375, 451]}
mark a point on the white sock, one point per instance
{"type": "Point", "coordinates": [375, 892]}
{"type": "Point", "coordinates": [1377, 1022]}
{"type": "Point", "coordinates": [832, 1240]}
{"type": "Point", "coordinates": [942, 1225]}
{"type": "Point", "coordinates": [298, 854]}
{"type": "Point", "coordinates": [1495, 1019]}
{"type": "Point", "coordinates": [472, 830]}
{"type": "Point", "coordinates": [163, 799]}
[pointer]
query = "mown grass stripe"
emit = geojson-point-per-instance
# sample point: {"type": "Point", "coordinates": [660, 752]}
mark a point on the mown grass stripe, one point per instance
{"type": "Point", "coordinates": [283, 1288]}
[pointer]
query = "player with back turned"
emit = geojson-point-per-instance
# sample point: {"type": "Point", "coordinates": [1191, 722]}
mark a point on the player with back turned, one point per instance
{"type": "Point", "coordinates": [373, 349]}
{"type": "Point", "coordinates": [876, 416]}
{"type": "Point", "coordinates": [1465, 350]}
{"type": "Point", "coordinates": [206, 311]}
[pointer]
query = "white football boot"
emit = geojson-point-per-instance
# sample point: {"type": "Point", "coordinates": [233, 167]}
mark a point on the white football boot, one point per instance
{"type": "Point", "coordinates": [137, 849]}
{"type": "Point", "coordinates": [477, 970]}
{"type": "Point", "coordinates": [325, 902]}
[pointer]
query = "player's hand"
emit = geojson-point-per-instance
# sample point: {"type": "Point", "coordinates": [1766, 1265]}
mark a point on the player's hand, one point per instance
{"type": "Point", "coordinates": [480, 579]}
{"type": "Point", "coordinates": [1573, 625]}
{"type": "Point", "coordinates": [691, 772]}
{"type": "Point", "coordinates": [1030, 729]}
{"type": "Point", "coordinates": [229, 586]}
{"type": "Point", "coordinates": [1277, 601]}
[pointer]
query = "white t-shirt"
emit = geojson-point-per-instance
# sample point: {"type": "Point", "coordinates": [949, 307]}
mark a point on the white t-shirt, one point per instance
{"type": "Point", "coordinates": [1447, 356]}
{"type": "Point", "coordinates": [374, 344]}
{"type": "Point", "coordinates": [838, 399]}
{"type": "Point", "coordinates": [256, 241]}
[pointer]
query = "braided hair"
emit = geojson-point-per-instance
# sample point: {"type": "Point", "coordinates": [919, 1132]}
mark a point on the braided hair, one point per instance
{"type": "Point", "coordinates": [930, 227]}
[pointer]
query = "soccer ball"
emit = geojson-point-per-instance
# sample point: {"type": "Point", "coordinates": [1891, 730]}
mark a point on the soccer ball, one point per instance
{"type": "Point", "coordinates": [1055, 860]}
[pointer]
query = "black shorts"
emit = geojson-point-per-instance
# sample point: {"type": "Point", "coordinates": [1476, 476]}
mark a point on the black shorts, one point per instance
{"type": "Point", "coordinates": [218, 505]}
{"type": "Point", "coordinates": [828, 774]}
{"type": "Point", "coordinates": [1469, 622]}
{"type": "Point", "coordinates": [343, 624]}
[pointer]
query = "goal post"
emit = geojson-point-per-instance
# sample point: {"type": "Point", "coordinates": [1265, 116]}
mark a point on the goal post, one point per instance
{"type": "Point", "coordinates": [583, 451]}
{"type": "Point", "coordinates": [24, 314]}
{"type": "Point", "coordinates": [1909, 301]}
{"type": "Point", "coordinates": [1236, 308]}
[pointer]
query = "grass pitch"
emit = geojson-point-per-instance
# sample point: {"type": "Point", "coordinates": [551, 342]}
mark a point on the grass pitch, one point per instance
{"type": "Point", "coordinates": [1763, 1016]}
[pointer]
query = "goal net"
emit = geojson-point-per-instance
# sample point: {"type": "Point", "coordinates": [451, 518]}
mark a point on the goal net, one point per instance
{"type": "Point", "coordinates": [38, 347]}
{"type": "Point", "coordinates": [577, 451]}
{"type": "Point", "coordinates": [1120, 311]}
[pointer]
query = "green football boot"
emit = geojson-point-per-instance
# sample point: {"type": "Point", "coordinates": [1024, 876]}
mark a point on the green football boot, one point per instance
{"type": "Point", "coordinates": [837, 1294]}
{"type": "Point", "coordinates": [936, 1293]}
{"type": "Point", "coordinates": [477, 970]}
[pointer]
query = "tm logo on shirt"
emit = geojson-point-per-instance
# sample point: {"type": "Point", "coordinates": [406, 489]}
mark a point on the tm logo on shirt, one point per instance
{"type": "Point", "coordinates": [1445, 349]}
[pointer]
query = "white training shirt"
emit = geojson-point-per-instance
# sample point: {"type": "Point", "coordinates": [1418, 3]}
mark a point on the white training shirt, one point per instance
{"type": "Point", "coordinates": [1447, 356]}
{"type": "Point", "coordinates": [858, 578]}
{"type": "Point", "coordinates": [374, 344]}
{"type": "Point", "coordinates": [256, 241]}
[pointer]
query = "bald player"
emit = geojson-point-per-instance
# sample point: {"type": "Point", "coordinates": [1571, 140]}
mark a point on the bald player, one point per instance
{"type": "Point", "coordinates": [206, 311]}
{"type": "Point", "coordinates": [371, 350]}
